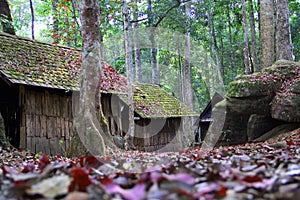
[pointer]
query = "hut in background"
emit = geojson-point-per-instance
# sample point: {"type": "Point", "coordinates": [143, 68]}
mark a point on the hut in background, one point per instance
{"type": "Point", "coordinates": [37, 81]}
{"type": "Point", "coordinates": [206, 117]}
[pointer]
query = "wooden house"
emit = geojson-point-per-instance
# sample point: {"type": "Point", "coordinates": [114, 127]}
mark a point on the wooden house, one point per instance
{"type": "Point", "coordinates": [37, 81]}
{"type": "Point", "coordinates": [206, 117]}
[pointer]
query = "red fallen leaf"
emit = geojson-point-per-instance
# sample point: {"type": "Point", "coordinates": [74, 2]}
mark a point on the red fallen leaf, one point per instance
{"type": "Point", "coordinates": [43, 162]}
{"type": "Point", "coordinates": [80, 180]}
{"type": "Point", "coordinates": [89, 162]}
{"type": "Point", "coordinates": [222, 191]}
{"type": "Point", "coordinates": [106, 180]}
{"type": "Point", "coordinates": [291, 143]}
{"type": "Point", "coordinates": [252, 179]}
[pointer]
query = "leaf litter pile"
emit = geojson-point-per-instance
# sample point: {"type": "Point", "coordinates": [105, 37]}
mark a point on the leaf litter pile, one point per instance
{"type": "Point", "coordinates": [264, 170]}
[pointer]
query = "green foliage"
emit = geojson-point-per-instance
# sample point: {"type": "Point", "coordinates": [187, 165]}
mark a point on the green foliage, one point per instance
{"type": "Point", "coordinates": [294, 6]}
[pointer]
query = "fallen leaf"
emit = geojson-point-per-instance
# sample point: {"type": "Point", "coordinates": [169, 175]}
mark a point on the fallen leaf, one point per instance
{"type": "Point", "coordinates": [51, 187]}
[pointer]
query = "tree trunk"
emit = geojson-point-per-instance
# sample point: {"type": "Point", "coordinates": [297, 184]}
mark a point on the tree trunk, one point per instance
{"type": "Point", "coordinates": [253, 38]}
{"type": "Point", "coordinates": [55, 21]}
{"type": "Point", "coordinates": [137, 51]}
{"type": "Point", "coordinates": [187, 87]}
{"type": "Point", "coordinates": [75, 24]}
{"type": "Point", "coordinates": [230, 38]}
{"type": "Point", "coordinates": [246, 44]}
{"type": "Point", "coordinates": [214, 38]}
{"type": "Point", "coordinates": [155, 72]}
{"type": "Point", "coordinates": [87, 125]}
{"type": "Point", "coordinates": [267, 32]}
{"type": "Point", "coordinates": [284, 46]}
{"type": "Point", "coordinates": [32, 19]}
{"type": "Point", "coordinates": [130, 133]}
{"type": "Point", "coordinates": [5, 18]}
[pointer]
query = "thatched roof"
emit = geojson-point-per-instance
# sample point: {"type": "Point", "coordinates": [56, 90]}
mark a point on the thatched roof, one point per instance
{"type": "Point", "coordinates": [28, 62]}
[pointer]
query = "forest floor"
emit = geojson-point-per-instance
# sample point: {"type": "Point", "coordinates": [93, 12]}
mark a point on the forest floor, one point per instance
{"type": "Point", "coordinates": [264, 170]}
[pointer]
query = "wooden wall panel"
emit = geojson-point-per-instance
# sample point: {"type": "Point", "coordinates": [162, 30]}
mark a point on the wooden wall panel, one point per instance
{"type": "Point", "coordinates": [46, 119]}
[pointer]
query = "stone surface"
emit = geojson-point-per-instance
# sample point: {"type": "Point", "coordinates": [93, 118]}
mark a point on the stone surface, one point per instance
{"type": "Point", "coordinates": [284, 128]}
{"type": "Point", "coordinates": [228, 127]}
{"type": "Point", "coordinates": [286, 104]}
{"type": "Point", "coordinates": [250, 105]}
{"type": "Point", "coordinates": [259, 125]}
{"type": "Point", "coordinates": [272, 99]}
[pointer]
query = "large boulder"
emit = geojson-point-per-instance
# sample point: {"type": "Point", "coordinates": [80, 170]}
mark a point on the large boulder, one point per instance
{"type": "Point", "coordinates": [286, 104]}
{"type": "Point", "coordinates": [260, 102]}
{"type": "Point", "coordinates": [258, 125]}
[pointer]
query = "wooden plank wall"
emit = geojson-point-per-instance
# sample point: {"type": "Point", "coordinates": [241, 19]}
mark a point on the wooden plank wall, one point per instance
{"type": "Point", "coordinates": [169, 137]}
{"type": "Point", "coordinates": [46, 120]}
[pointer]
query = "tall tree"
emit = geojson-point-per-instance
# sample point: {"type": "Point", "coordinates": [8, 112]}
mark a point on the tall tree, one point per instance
{"type": "Point", "coordinates": [284, 46]}
{"type": "Point", "coordinates": [267, 32]}
{"type": "Point", "coordinates": [130, 133]}
{"type": "Point", "coordinates": [87, 124]}
{"type": "Point", "coordinates": [55, 21]}
{"type": "Point", "coordinates": [137, 51]}
{"type": "Point", "coordinates": [246, 39]}
{"type": "Point", "coordinates": [5, 18]}
{"type": "Point", "coordinates": [32, 19]}
{"type": "Point", "coordinates": [253, 38]}
{"type": "Point", "coordinates": [155, 72]}
{"type": "Point", "coordinates": [230, 37]}
{"type": "Point", "coordinates": [214, 39]}
{"type": "Point", "coordinates": [186, 82]}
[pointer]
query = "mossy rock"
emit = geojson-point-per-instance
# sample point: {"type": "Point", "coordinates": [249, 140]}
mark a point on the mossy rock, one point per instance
{"type": "Point", "coordinates": [266, 82]}
{"type": "Point", "coordinates": [247, 88]}
{"type": "Point", "coordinates": [250, 105]}
{"type": "Point", "coordinates": [286, 107]}
{"type": "Point", "coordinates": [283, 69]}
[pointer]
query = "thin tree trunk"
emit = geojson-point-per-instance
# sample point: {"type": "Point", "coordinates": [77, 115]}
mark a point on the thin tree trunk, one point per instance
{"type": "Point", "coordinates": [214, 39]}
{"type": "Point", "coordinates": [155, 72]}
{"type": "Point", "coordinates": [284, 46]}
{"type": "Point", "coordinates": [75, 24]}
{"type": "Point", "coordinates": [137, 51]}
{"type": "Point", "coordinates": [230, 38]}
{"type": "Point", "coordinates": [32, 19]}
{"type": "Point", "coordinates": [253, 38]}
{"type": "Point", "coordinates": [267, 32]}
{"type": "Point", "coordinates": [7, 23]}
{"type": "Point", "coordinates": [187, 87]}
{"type": "Point", "coordinates": [181, 94]}
{"type": "Point", "coordinates": [211, 74]}
{"type": "Point", "coordinates": [55, 21]}
{"type": "Point", "coordinates": [130, 133]}
{"type": "Point", "coordinates": [246, 39]}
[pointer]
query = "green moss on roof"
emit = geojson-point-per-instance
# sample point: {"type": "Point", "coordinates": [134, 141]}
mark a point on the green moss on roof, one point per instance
{"type": "Point", "coordinates": [29, 62]}
{"type": "Point", "coordinates": [151, 101]}
{"type": "Point", "coordinates": [35, 63]}
{"type": "Point", "coordinates": [24, 61]}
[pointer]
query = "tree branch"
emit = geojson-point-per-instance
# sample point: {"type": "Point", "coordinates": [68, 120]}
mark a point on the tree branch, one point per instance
{"type": "Point", "coordinates": [178, 3]}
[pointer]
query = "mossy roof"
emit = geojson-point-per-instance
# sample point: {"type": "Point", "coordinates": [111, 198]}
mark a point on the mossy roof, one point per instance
{"type": "Point", "coordinates": [150, 101]}
{"type": "Point", "coordinates": [28, 62]}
